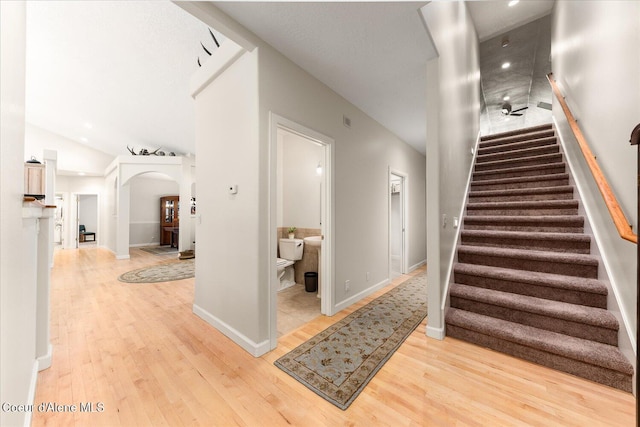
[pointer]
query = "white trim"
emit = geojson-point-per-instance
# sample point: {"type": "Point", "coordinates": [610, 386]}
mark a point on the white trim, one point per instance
{"type": "Point", "coordinates": [44, 362]}
{"type": "Point", "coordinates": [362, 294]}
{"type": "Point", "coordinates": [122, 256]}
{"type": "Point", "coordinates": [404, 258]}
{"type": "Point", "coordinates": [224, 57]}
{"type": "Point", "coordinates": [327, 305]}
{"type": "Point", "coordinates": [437, 333]}
{"type": "Point", "coordinates": [140, 245]}
{"type": "Point", "coordinates": [255, 349]}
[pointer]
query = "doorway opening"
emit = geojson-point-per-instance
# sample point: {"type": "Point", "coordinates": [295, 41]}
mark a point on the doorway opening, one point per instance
{"type": "Point", "coordinates": [86, 220]}
{"type": "Point", "coordinates": [300, 226]}
{"type": "Point", "coordinates": [58, 224]}
{"type": "Point", "coordinates": [397, 223]}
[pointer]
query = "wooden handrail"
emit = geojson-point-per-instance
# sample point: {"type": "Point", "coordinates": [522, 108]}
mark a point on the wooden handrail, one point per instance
{"type": "Point", "coordinates": [619, 219]}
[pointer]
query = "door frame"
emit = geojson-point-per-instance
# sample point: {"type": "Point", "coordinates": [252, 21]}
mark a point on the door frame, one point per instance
{"type": "Point", "coordinates": [404, 205]}
{"type": "Point", "coordinates": [327, 260]}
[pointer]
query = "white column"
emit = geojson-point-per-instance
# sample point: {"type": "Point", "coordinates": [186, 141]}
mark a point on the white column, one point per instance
{"type": "Point", "coordinates": [122, 222]}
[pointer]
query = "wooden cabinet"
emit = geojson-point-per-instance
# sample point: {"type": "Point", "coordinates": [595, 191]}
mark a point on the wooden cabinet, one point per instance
{"type": "Point", "coordinates": [169, 220]}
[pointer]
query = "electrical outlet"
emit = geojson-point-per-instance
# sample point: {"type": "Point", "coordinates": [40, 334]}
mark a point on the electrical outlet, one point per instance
{"type": "Point", "coordinates": [346, 285]}
{"type": "Point", "coordinates": [367, 276]}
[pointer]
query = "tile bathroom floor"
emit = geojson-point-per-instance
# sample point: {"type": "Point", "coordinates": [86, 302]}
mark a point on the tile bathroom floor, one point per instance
{"type": "Point", "coordinates": [296, 307]}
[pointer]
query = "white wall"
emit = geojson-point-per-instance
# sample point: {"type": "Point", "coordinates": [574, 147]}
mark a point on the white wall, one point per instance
{"type": "Point", "coordinates": [453, 117]}
{"type": "Point", "coordinates": [144, 218]}
{"type": "Point", "coordinates": [596, 63]}
{"type": "Point", "coordinates": [300, 196]}
{"type": "Point", "coordinates": [230, 268]}
{"type": "Point", "coordinates": [72, 156]}
{"type": "Point", "coordinates": [17, 300]}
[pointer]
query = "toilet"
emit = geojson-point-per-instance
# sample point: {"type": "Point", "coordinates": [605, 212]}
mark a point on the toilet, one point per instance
{"type": "Point", "coordinates": [290, 251]}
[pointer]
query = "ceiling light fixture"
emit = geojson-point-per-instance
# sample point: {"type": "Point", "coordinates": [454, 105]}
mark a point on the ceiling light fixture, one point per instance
{"type": "Point", "coordinates": [506, 98]}
{"type": "Point", "coordinates": [513, 3]}
{"type": "Point", "coordinates": [505, 41]}
{"type": "Point", "coordinates": [81, 173]}
{"type": "Point", "coordinates": [83, 139]}
{"type": "Point", "coordinates": [88, 125]}
{"type": "Point", "coordinates": [506, 65]}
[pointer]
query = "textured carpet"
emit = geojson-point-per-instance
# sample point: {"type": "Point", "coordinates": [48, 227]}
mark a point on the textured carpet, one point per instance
{"type": "Point", "coordinates": [166, 272]}
{"type": "Point", "coordinates": [526, 282]}
{"type": "Point", "coordinates": [160, 250]}
{"type": "Point", "coordinates": [339, 362]}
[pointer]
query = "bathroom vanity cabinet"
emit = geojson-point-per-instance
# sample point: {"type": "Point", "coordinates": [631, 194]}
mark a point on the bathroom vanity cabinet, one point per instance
{"type": "Point", "coordinates": [169, 220]}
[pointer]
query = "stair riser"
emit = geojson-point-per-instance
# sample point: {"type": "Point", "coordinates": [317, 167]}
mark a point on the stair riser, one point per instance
{"type": "Point", "coordinates": [522, 211]}
{"type": "Point", "coordinates": [561, 326]}
{"type": "Point", "coordinates": [575, 367]}
{"type": "Point", "coordinates": [521, 197]}
{"type": "Point", "coordinates": [517, 154]}
{"type": "Point", "coordinates": [535, 171]}
{"type": "Point", "coordinates": [532, 244]}
{"type": "Point", "coordinates": [542, 142]}
{"type": "Point", "coordinates": [514, 163]}
{"type": "Point", "coordinates": [551, 293]}
{"type": "Point", "coordinates": [543, 266]}
{"type": "Point", "coordinates": [490, 142]}
{"type": "Point", "coordinates": [479, 186]}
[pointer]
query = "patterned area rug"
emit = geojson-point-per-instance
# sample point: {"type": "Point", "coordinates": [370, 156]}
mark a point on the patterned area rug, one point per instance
{"type": "Point", "coordinates": [339, 362]}
{"type": "Point", "coordinates": [166, 272]}
{"type": "Point", "coordinates": [160, 250]}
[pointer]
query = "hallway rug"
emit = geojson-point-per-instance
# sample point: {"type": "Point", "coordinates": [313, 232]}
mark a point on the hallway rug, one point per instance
{"type": "Point", "coordinates": [339, 362]}
{"type": "Point", "coordinates": [166, 272]}
{"type": "Point", "coordinates": [160, 250]}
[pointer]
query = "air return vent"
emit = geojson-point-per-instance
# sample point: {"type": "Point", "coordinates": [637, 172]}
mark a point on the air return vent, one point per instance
{"type": "Point", "coordinates": [346, 121]}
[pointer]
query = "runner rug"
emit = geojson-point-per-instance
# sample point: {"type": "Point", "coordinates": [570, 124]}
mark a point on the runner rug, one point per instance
{"type": "Point", "coordinates": [166, 272]}
{"type": "Point", "coordinates": [339, 362]}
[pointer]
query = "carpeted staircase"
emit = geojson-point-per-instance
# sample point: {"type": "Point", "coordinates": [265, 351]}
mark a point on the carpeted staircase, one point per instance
{"type": "Point", "coordinates": [525, 283]}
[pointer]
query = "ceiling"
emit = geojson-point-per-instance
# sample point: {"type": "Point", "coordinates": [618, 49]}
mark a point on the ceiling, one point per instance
{"type": "Point", "coordinates": [111, 74]}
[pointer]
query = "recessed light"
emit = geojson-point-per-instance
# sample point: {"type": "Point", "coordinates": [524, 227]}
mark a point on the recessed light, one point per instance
{"type": "Point", "coordinates": [513, 2]}
{"type": "Point", "coordinates": [88, 125]}
{"type": "Point", "coordinates": [506, 65]}
{"type": "Point", "coordinates": [505, 41]}
{"type": "Point", "coordinates": [81, 173]}
{"type": "Point", "coordinates": [506, 98]}
{"type": "Point", "coordinates": [84, 139]}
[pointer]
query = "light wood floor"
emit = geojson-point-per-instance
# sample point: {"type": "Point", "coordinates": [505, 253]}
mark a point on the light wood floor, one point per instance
{"type": "Point", "coordinates": [139, 350]}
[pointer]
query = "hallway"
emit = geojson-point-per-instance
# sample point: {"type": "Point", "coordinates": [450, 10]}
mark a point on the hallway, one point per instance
{"type": "Point", "coordinates": [138, 350]}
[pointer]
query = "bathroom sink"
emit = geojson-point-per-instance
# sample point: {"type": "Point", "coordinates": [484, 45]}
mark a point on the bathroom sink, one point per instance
{"type": "Point", "coordinates": [314, 241]}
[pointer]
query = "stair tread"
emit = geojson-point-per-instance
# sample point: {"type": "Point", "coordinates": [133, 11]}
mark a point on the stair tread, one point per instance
{"type": "Point", "coordinates": [530, 235]}
{"type": "Point", "coordinates": [568, 219]}
{"type": "Point", "coordinates": [525, 131]}
{"type": "Point", "coordinates": [519, 169]}
{"type": "Point", "coordinates": [559, 281]}
{"type": "Point", "coordinates": [516, 152]}
{"type": "Point", "coordinates": [559, 310]}
{"type": "Point", "coordinates": [498, 163]}
{"type": "Point", "coordinates": [523, 191]}
{"type": "Point", "coordinates": [482, 150]}
{"type": "Point", "coordinates": [591, 352]}
{"type": "Point", "coordinates": [526, 203]}
{"type": "Point", "coordinates": [556, 257]}
{"type": "Point", "coordinates": [520, 179]}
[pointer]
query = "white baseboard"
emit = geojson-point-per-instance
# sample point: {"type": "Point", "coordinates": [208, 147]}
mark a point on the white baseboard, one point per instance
{"type": "Point", "coordinates": [253, 348]}
{"type": "Point", "coordinates": [31, 397]}
{"type": "Point", "coordinates": [437, 333]}
{"type": "Point", "coordinates": [357, 297]}
{"type": "Point", "coordinates": [44, 362]}
{"type": "Point", "coordinates": [417, 266]}
{"type": "Point", "coordinates": [123, 256]}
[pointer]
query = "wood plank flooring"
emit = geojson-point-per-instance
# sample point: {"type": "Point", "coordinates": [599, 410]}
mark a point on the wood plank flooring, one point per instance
{"type": "Point", "coordinates": [140, 351]}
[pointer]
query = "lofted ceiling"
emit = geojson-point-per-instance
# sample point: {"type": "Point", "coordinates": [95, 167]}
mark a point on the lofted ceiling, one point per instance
{"type": "Point", "coordinates": [110, 74]}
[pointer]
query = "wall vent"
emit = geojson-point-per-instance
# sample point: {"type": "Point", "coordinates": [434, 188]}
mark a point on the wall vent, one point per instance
{"type": "Point", "coordinates": [346, 121]}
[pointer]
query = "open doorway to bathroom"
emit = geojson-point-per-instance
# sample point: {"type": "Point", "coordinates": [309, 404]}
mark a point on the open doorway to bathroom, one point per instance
{"type": "Point", "coordinates": [300, 207]}
{"type": "Point", "coordinates": [397, 223]}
